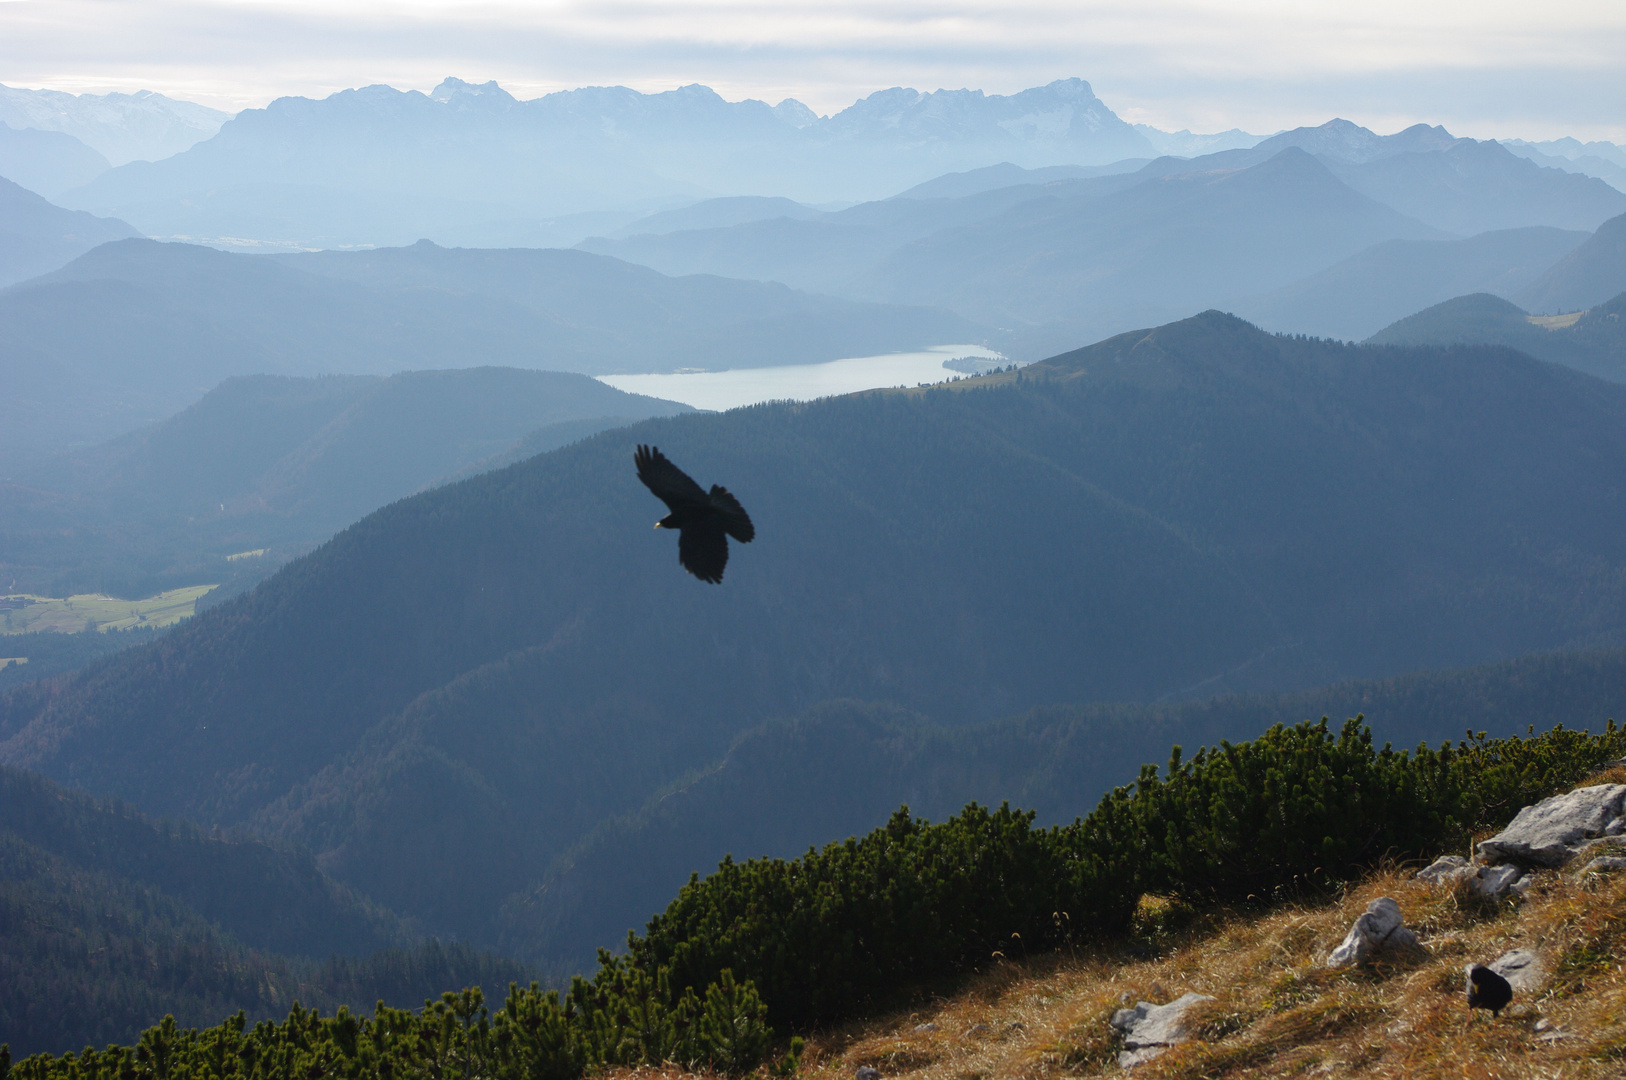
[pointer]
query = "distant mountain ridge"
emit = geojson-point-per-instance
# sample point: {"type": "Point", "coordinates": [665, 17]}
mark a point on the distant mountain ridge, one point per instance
{"type": "Point", "coordinates": [133, 332]}
{"type": "Point", "coordinates": [368, 165]}
{"type": "Point", "coordinates": [142, 126]}
{"type": "Point", "coordinates": [37, 237]}
{"type": "Point", "coordinates": [1357, 297]}
{"type": "Point", "coordinates": [47, 162]}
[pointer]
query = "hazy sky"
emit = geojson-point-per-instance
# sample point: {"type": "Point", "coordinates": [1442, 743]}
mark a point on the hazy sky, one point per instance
{"type": "Point", "coordinates": [1481, 67]}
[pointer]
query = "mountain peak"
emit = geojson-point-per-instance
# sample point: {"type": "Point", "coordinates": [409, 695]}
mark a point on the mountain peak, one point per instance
{"type": "Point", "coordinates": [453, 89]}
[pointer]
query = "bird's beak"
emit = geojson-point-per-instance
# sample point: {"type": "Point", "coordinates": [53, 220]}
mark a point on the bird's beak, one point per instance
{"type": "Point", "coordinates": [657, 524]}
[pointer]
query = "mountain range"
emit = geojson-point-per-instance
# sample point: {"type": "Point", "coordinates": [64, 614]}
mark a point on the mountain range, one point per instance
{"type": "Point", "coordinates": [470, 164]}
{"type": "Point", "coordinates": [143, 126]}
{"type": "Point", "coordinates": [132, 332]}
{"type": "Point", "coordinates": [1179, 512]}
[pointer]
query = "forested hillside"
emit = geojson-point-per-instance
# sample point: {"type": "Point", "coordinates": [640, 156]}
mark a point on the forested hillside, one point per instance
{"type": "Point", "coordinates": [109, 920]}
{"type": "Point", "coordinates": [1593, 341]}
{"type": "Point", "coordinates": [1184, 511]}
{"type": "Point", "coordinates": [770, 794]}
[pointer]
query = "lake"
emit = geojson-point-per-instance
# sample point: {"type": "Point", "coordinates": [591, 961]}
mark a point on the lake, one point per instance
{"type": "Point", "coordinates": [721, 390]}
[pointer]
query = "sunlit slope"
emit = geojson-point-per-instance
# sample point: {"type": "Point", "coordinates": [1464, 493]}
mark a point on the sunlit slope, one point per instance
{"type": "Point", "coordinates": [1191, 509]}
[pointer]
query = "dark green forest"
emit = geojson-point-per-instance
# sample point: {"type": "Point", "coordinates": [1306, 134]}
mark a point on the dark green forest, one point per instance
{"type": "Point", "coordinates": [910, 907]}
{"type": "Point", "coordinates": [1173, 514]}
{"type": "Point", "coordinates": [109, 920]}
{"type": "Point", "coordinates": [770, 794]}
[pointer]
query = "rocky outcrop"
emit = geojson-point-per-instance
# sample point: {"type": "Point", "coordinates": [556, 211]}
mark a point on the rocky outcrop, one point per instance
{"type": "Point", "coordinates": [1149, 1029]}
{"type": "Point", "coordinates": [1380, 929]}
{"type": "Point", "coordinates": [1554, 831]}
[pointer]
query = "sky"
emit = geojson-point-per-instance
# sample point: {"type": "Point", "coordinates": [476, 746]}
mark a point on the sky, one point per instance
{"type": "Point", "coordinates": [1483, 68]}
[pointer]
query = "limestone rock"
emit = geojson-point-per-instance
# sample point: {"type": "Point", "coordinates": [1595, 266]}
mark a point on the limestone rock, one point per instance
{"type": "Point", "coordinates": [1446, 869]}
{"type": "Point", "coordinates": [867, 1072]}
{"type": "Point", "coordinates": [1149, 1029]}
{"type": "Point", "coordinates": [1604, 864]}
{"type": "Point", "coordinates": [1550, 832]}
{"type": "Point", "coordinates": [1381, 928]}
{"type": "Point", "coordinates": [1524, 969]}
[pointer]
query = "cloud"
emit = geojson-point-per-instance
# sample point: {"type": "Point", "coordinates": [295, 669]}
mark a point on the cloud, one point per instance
{"type": "Point", "coordinates": [1486, 67]}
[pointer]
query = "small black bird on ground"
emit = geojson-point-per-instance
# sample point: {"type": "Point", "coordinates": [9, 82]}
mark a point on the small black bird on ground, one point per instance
{"type": "Point", "coordinates": [704, 521]}
{"type": "Point", "coordinates": [1487, 990]}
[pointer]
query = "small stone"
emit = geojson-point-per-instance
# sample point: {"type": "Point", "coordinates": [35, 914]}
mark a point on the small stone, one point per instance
{"type": "Point", "coordinates": [1149, 1029]}
{"type": "Point", "coordinates": [1543, 1024]}
{"type": "Point", "coordinates": [1492, 881]}
{"type": "Point", "coordinates": [1016, 1025]}
{"type": "Point", "coordinates": [925, 1027]}
{"type": "Point", "coordinates": [1445, 869]}
{"type": "Point", "coordinates": [1524, 969]}
{"type": "Point", "coordinates": [977, 1029]}
{"type": "Point", "coordinates": [867, 1072]}
{"type": "Point", "coordinates": [1604, 864]}
{"type": "Point", "coordinates": [1380, 928]}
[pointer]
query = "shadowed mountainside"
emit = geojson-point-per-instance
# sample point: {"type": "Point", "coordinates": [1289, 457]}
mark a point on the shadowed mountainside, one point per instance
{"type": "Point", "coordinates": [36, 237]}
{"type": "Point", "coordinates": [1371, 289]}
{"type": "Point", "coordinates": [267, 461]}
{"type": "Point", "coordinates": [1589, 275]}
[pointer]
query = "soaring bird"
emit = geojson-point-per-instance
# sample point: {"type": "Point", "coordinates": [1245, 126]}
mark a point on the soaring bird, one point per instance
{"type": "Point", "coordinates": [704, 520]}
{"type": "Point", "coordinates": [1487, 990]}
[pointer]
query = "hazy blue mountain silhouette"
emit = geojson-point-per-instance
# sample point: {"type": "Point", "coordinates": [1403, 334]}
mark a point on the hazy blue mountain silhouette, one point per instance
{"type": "Point", "coordinates": [133, 332]}
{"type": "Point", "coordinates": [37, 237]}
{"type": "Point", "coordinates": [1371, 289]}
{"type": "Point", "coordinates": [471, 164]}
{"type": "Point", "coordinates": [1589, 275]}
{"type": "Point", "coordinates": [47, 162]}
{"type": "Point", "coordinates": [1459, 185]}
{"type": "Point", "coordinates": [1063, 260]}
{"type": "Point", "coordinates": [1193, 509]}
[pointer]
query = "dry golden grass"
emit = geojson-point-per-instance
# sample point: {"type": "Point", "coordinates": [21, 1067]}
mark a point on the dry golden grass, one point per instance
{"type": "Point", "coordinates": [1278, 1012]}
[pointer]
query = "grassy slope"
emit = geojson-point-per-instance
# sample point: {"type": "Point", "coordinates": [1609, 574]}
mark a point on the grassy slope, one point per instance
{"type": "Point", "coordinates": [1277, 1011]}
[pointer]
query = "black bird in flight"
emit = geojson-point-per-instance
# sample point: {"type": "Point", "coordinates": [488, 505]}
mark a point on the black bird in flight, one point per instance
{"type": "Point", "coordinates": [1487, 990]}
{"type": "Point", "coordinates": [704, 520]}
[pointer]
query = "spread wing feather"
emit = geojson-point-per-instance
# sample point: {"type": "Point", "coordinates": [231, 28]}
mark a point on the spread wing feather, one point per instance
{"type": "Point", "coordinates": [734, 519]}
{"type": "Point", "coordinates": [669, 483]}
{"type": "Point", "coordinates": [703, 551]}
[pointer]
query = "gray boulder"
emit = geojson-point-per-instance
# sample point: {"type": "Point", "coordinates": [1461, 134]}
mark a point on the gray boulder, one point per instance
{"type": "Point", "coordinates": [1149, 1029]}
{"type": "Point", "coordinates": [1553, 831]}
{"type": "Point", "coordinates": [1380, 929]}
{"type": "Point", "coordinates": [1446, 870]}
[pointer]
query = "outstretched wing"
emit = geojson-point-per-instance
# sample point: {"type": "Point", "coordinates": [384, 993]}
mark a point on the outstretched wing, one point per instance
{"type": "Point", "coordinates": [703, 551]}
{"type": "Point", "coordinates": [732, 515]}
{"type": "Point", "coordinates": [669, 483]}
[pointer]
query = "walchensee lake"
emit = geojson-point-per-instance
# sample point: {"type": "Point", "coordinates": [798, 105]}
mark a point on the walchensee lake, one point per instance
{"type": "Point", "coordinates": [731, 389]}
